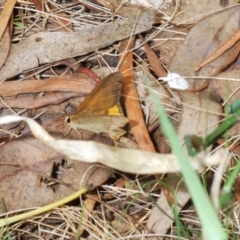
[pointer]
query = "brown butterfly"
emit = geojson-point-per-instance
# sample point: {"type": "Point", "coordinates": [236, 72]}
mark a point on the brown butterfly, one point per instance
{"type": "Point", "coordinates": [99, 111]}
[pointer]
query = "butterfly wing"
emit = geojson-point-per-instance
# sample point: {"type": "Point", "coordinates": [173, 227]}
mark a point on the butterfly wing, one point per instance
{"type": "Point", "coordinates": [97, 113]}
{"type": "Point", "coordinates": [112, 125]}
{"type": "Point", "coordinates": [104, 96]}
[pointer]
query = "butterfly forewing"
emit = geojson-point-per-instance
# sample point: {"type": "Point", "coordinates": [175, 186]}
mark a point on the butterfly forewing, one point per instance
{"type": "Point", "coordinates": [104, 96]}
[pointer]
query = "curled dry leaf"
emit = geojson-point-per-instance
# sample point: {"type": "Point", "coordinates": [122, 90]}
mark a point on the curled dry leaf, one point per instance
{"type": "Point", "coordinates": [126, 160]}
{"type": "Point", "coordinates": [71, 85]}
{"type": "Point", "coordinates": [33, 102]}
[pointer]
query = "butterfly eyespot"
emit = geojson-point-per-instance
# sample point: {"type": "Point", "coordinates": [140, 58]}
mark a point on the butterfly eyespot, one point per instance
{"type": "Point", "coordinates": [68, 119]}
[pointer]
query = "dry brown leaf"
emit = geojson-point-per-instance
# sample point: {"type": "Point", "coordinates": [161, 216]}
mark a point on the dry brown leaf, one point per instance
{"type": "Point", "coordinates": [154, 62]}
{"type": "Point", "coordinates": [203, 39]}
{"type": "Point", "coordinates": [5, 46]}
{"type": "Point", "coordinates": [227, 45]}
{"type": "Point", "coordinates": [131, 101]}
{"type": "Point", "coordinates": [5, 29]}
{"type": "Point", "coordinates": [231, 60]}
{"type": "Point", "coordinates": [199, 116]}
{"type": "Point", "coordinates": [89, 205]}
{"type": "Point", "coordinates": [69, 83]}
{"type": "Point", "coordinates": [34, 102]}
{"type": "Point", "coordinates": [47, 47]}
{"type": "Point", "coordinates": [229, 91]}
{"type": "Point", "coordinates": [161, 217]}
{"type": "Point", "coordinates": [20, 184]}
{"type": "Point", "coordinates": [6, 14]}
{"type": "Point", "coordinates": [191, 11]}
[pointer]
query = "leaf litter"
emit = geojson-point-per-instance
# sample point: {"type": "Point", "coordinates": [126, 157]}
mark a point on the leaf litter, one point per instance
{"type": "Point", "coordinates": [27, 176]}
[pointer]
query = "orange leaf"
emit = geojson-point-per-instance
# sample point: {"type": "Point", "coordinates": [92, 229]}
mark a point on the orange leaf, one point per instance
{"type": "Point", "coordinates": [133, 108]}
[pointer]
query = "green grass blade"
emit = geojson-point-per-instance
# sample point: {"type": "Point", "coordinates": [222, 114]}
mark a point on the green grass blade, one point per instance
{"type": "Point", "coordinates": [210, 222]}
{"type": "Point", "coordinates": [227, 188]}
{"type": "Point", "coordinates": [221, 129]}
